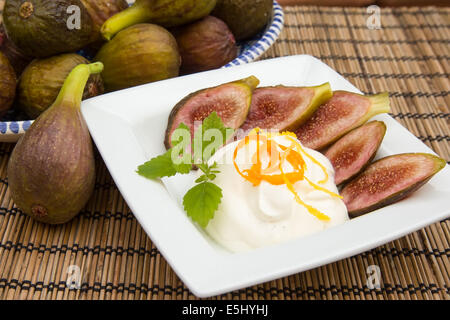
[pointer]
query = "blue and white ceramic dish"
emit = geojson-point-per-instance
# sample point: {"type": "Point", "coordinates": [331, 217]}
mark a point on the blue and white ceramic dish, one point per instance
{"type": "Point", "coordinates": [249, 51]}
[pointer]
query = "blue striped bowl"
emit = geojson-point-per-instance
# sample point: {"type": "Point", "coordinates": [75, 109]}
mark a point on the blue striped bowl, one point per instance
{"type": "Point", "coordinates": [251, 50]}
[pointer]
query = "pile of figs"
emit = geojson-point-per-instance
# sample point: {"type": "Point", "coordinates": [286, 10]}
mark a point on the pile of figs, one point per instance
{"type": "Point", "coordinates": [334, 123]}
{"type": "Point", "coordinates": [148, 41]}
{"type": "Point", "coordinates": [44, 75]}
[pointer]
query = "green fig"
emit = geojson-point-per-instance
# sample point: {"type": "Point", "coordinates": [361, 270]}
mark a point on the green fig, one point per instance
{"type": "Point", "coordinates": [42, 28]}
{"type": "Point", "coordinates": [7, 84]}
{"type": "Point", "coordinates": [231, 101]}
{"type": "Point", "coordinates": [166, 13]}
{"type": "Point", "coordinates": [284, 108]}
{"type": "Point", "coordinates": [51, 171]}
{"type": "Point", "coordinates": [389, 180]}
{"type": "Point", "coordinates": [342, 113]}
{"type": "Point", "coordinates": [42, 80]}
{"type": "Point", "coordinates": [139, 54]}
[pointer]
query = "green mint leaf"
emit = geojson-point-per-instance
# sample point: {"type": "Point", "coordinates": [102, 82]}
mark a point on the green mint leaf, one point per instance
{"type": "Point", "coordinates": [202, 201]}
{"type": "Point", "coordinates": [163, 166]}
{"type": "Point", "coordinates": [158, 167]}
{"type": "Point", "coordinates": [201, 179]}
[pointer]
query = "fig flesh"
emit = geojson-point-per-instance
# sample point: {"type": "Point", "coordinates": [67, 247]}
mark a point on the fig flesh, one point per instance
{"type": "Point", "coordinates": [284, 108]}
{"type": "Point", "coordinates": [7, 84]}
{"type": "Point", "coordinates": [42, 80]}
{"type": "Point", "coordinates": [51, 171]}
{"type": "Point", "coordinates": [42, 28]}
{"type": "Point", "coordinates": [389, 180]}
{"type": "Point", "coordinates": [355, 150]}
{"type": "Point", "coordinates": [166, 13]}
{"type": "Point", "coordinates": [231, 101]}
{"type": "Point", "coordinates": [139, 54]}
{"type": "Point", "coordinates": [342, 113]}
{"type": "Point", "coordinates": [205, 44]}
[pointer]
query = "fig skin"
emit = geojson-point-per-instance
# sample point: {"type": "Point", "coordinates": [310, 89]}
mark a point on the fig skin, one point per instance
{"type": "Point", "coordinates": [166, 13]}
{"type": "Point", "coordinates": [354, 151]}
{"type": "Point", "coordinates": [100, 11]}
{"type": "Point", "coordinates": [7, 84]}
{"type": "Point", "coordinates": [284, 108]}
{"type": "Point", "coordinates": [205, 45]}
{"type": "Point", "coordinates": [42, 80]}
{"type": "Point", "coordinates": [16, 57]}
{"type": "Point", "coordinates": [342, 113]}
{"type": "Point", "coordinates": [137, 55]}
{"type": "Point", "coordinates": [198, 110]}
{"type": "Point", "coordinates": [389, 180]}
{"type": "Point", "coordinates": [51, 171]}
{"type": "Point", "coordinates": [245, 18]}
{"type": "Point", "coordinates": [40, 27]}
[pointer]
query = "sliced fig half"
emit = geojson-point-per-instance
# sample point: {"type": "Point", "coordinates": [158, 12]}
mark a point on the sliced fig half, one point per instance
{"type": "Point", "coordinates": [231, 101]}
{"type": "Point", "coordinates": [342, 113]}
{"type": "Point", "coordinates": [284, 108]}
{"type": "Point", "coordinates": [354, 151]}
{"type": "Point", "coordinates": [389, 180]}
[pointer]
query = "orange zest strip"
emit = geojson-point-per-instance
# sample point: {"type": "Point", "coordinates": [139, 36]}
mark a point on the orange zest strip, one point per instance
{"type": "Point", "coordinates": [323, 189]}
{"type": "Point", "coordinates": [319, 215]}
{"type": "Point", "coordinates": [292, 154]}
{"type": "Point", "coordinates": [300, 148]}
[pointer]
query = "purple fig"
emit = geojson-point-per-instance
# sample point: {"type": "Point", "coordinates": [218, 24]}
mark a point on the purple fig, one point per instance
{"type": "Point", "coordinates": [18, 60]}
{"type": "Point", "coordinates": [51, 171]}
{"type": "Point", "coordinates": [342, 113]}
{"type": "Point", "coordinates": [205, 44]}
{"type": "Point", "coordinates": [7, 84]}
{"type": "Point", "coordinates": [231, 102]}
{"type": "Point", "coordinates": [354, 151]}
{"type": "Point", "coordinates": [284, 108]}
{"type": "Point", "coordinates": [389, 180]}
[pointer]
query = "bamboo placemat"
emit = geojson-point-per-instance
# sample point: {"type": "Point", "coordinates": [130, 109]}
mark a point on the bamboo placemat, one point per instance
{"type": "Point", "coordinates": [408, 57]}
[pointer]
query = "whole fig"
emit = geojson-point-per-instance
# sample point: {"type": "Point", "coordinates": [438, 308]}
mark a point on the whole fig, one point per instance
{"type": "Point", "coordinates": [245, 18]}
{"type": "Point", "coordinates": [43, 78]}
{"type": "Point", "coordinates": [42, 28]}
{"type": "Point", "coordinates": [205, 44]}
{"type": "Point", "coordinates": [7, 84]}
{"type": "Point", "coordinates": [139, 54]}
{"type": "Point", "coordinates": [51, 171]}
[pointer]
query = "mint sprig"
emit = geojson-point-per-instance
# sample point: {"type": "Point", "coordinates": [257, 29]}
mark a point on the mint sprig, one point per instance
{"type": "Point", "coordinates": [201, 201]}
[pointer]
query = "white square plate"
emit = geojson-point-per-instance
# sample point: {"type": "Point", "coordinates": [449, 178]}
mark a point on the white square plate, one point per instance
{"type": "Point", "coordinates": [128, 128]}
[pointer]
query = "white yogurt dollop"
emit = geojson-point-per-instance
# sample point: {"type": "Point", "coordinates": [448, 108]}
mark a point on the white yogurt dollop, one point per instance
{"type": "Point", "coordinates": [251, 216]}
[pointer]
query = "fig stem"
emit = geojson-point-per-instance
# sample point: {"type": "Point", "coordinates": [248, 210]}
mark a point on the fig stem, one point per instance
{"type": "Point", "coordinates": [322, 93]}
{"type": "Point", "coordinates": [73, 87]}
{"type": "Point", "coordinates": [126, 18]}
{"type": "Point", "coordinates": [380, 104]}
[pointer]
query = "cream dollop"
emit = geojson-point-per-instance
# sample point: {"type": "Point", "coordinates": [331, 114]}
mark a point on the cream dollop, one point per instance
{"type": "Point", "coordinates": [251, 216]}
